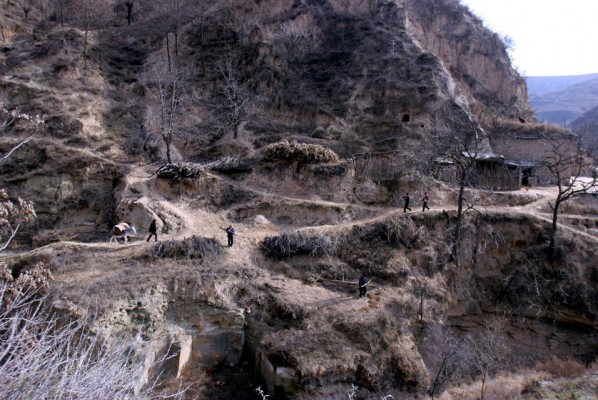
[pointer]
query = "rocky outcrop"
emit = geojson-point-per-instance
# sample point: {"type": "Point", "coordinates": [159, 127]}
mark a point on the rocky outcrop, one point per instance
{"type": "Point", "coordinates": [475, 57]}
{"type": "Point", "coordinates": [384, 71]}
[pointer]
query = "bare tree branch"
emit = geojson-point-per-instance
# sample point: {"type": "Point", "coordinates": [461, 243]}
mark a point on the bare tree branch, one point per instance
{"type": "Point", "coordinates": [568, 164]}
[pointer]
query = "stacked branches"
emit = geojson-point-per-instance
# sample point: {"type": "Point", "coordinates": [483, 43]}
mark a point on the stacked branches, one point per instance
{"type": "Point", "coordinates": [178, 172]}
{"type": "Point", "coordinates": [231, 165]}
{"type": "Point", "coordinates": [300, 152]}
{"type": "Point", "coordinates": [226, 165]}
{"type": "Point", "coordinates": [398, 231]}
{"type": "Point", "coordinates": [290, 244]}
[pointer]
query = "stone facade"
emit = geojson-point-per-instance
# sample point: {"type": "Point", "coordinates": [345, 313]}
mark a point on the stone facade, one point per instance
{"type": "Point", "coordinates": [530, 152]}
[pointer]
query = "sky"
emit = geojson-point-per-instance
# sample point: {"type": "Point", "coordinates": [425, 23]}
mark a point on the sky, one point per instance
{"type": "Point", "coordinates": [551, 37]}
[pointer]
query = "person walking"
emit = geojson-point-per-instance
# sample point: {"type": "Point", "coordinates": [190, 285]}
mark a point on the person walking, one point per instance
{"type": "Point", "coordinates": [363, 288]}
{"type": "Point", "coordinates": [407, 199]}
{"type": "Point", "coordinates": [425, 200]}
{"type": "Point", "coordinates": [230, 234]}
{"type": "Point", "coordinates": [153, 231]}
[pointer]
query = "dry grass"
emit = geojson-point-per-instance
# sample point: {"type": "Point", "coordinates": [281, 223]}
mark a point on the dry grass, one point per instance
{"type": "Point", "coordinates": [560, 368]}
{"type": "Point", "coordinates": [300, 152]}
{"type": "Point", "coordinates": [548, 130]}
{"type": "Point", "coordinates": [503, 387]}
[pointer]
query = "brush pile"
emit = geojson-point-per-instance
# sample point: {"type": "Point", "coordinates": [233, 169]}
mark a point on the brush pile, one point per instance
{"type": "Point", "coordinates": [301, 152]}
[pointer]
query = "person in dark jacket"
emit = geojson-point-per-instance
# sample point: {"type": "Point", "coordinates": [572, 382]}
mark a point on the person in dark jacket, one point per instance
{"type": "Point", "coordinates": [153, 231]}
{"type": "Point", "coordinates": [363, 288]}
{"type": "Point", "coordinates": [407, 199]}
{"type": "Point", "coordinates": [230, 234]}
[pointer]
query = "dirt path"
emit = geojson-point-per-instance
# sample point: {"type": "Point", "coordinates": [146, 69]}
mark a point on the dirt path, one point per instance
{"type": "Point", "coordinates": [141, 184]}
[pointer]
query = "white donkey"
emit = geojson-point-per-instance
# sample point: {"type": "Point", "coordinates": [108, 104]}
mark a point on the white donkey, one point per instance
{"type": "Point", "coordinates": [122, 230]}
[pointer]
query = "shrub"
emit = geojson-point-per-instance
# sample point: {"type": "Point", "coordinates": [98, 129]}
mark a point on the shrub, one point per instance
{"type": "Point", "coordinates": [301, 152]}
{"type": "Point", "coordinates": [189, 248]}
{"type": "Point", "coordinates": [297, 243]}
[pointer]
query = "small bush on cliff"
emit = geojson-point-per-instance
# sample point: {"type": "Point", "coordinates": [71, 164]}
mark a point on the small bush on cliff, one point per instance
{"type": "Point", "coordinates": [297, 243]}
{"type": "Point", "coordinates": [301, 152]}
{"type": "Point", "coordinates": [195, 247]}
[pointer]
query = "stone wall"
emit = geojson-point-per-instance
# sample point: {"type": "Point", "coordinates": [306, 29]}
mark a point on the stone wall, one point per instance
{"type": "Point", "coordinates": [533, 150]}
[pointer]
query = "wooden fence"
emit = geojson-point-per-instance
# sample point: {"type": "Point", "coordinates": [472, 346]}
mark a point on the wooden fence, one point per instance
{"type": "Point", "coordinates": [377, 166]}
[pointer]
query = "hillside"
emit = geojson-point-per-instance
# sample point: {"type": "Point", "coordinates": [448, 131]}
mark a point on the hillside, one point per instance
{"type": "Point", "coordinates": [568, 102]}
{"type": "Point", "coordinates": [302, 124]}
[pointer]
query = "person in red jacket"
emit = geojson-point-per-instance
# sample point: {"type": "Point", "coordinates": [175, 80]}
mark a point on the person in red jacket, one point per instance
{"type": "Point", "coordinates": [425, 200]}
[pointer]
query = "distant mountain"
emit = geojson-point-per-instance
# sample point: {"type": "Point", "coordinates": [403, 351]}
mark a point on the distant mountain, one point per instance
{"type": "Point", "coordinates": [540, 85]}
{"type": "Point", "coordinates": [575, 95]}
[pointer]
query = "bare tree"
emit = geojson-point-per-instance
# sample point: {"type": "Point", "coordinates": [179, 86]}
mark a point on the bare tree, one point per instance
{"type": "Point", "coordinates": [589, 136]}
{"type": "Point", "coordinates": [34, 124]}
{"type": "Point", "coordinates": [446, 349]}
{"type": "Point", "coordinates": [15, 212]}
{"type": "Point", "coordinates": [461, 144]}
{"type": "Point", "coordinates": [12, 215]}
{"type": "Point", "coordinates": [61, 5]}
{"type": "Point", "coordinates": [166, 92]}
{"type": "Point", "coordinates": [569, 166]}
{"type": "Point", "coordinates": [203, 11]}
{"type": "Point", "coordinates": [488, 349]}
{"type": "Point", "coordinates": [26, 6]}
{"type": "Point", "coordinates": [92, 16]}
{"type": "Point", "coordinates": [231, 103]}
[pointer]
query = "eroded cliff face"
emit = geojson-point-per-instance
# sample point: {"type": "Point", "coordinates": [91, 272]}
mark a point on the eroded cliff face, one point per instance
{"type": "Point", "coordinates": [384, 73]}
{"type": "Point", "coordinates": [475, 56]}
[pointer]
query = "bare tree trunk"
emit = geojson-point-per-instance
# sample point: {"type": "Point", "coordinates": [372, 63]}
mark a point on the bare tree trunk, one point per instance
{"type": "Point", "coordinates": [168, 51]}
{"type": "Point", "coordinates": [176, 28]}
{"type": "Point", "coordinates": [129, 5]}
{"type": "Point", "coordinates": [168, 157]}
{"type": "Point", "coordinates": [484, 377]}
{"type": "Point", "coordinates": [554, 228]}
{"type": "Point", "coordinates": [61, 18]}
{"type": "Point", "coordinates": [176, 39]}
{"type": "Point", "coordinates": [85, 43]}
{"type": "Point", "coordinates": [100, 48]}
{"type": "Point", "coordinates": [459, 225]}
{"type": "Point", "coordinates": [202, 63]}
